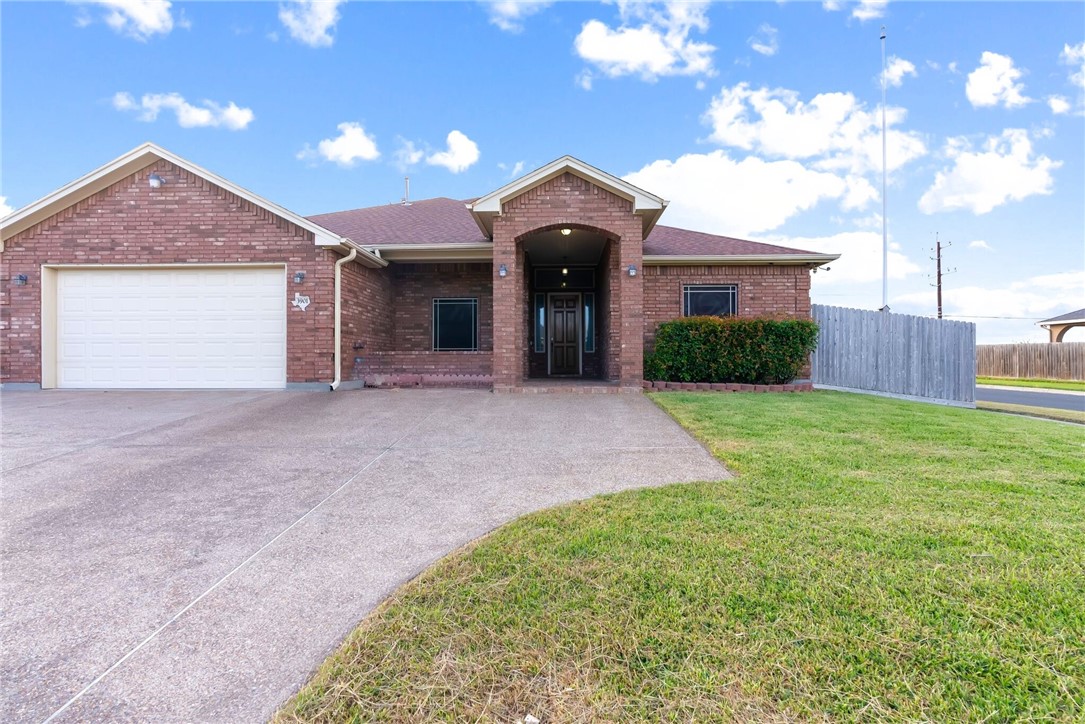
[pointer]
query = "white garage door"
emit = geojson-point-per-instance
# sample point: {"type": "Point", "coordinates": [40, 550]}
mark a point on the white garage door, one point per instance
{"type": "Point", "coordinates": [180, 328]}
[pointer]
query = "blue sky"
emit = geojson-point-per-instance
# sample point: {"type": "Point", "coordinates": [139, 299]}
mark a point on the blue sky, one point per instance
{"type": "Point", "coordinates": [757, 120]}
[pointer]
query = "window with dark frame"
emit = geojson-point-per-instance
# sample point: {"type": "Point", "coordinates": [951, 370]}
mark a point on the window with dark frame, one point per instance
{"type": "Point", "coordinates": [455, 325]}
{"type": "Point", "coordinates": [710, 300]}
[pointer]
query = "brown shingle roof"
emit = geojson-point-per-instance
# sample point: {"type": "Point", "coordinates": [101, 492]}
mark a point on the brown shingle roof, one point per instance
{"type": "Point", "coordinates": [672, 241]}
{"type": "Point", "coordinates": [448, 221]}
{"type": "Point", "coordinates": [430, 221]}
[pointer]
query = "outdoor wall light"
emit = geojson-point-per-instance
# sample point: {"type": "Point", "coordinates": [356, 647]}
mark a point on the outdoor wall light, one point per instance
{"type": "Point", "coordinates": [502, 271]}
{"type": "Point", "coordinates": [565, 271]}
{"type": "Point", "coordinates": [566, 232]}
{"type": "Point", "coordinates": [19, 280]}
{"type": "Point", "coordinates": [632, 270]}
{"type": "Point", "coordinates": [155, 181]}
{"type": "Point", "coordinates": [299, 277]}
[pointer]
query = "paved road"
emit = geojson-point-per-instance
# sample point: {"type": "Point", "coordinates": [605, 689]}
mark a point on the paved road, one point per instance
{"type": "Point", "coordinates": [189, 556]}
{"type": "Point", "coordinates": [1017, 396]}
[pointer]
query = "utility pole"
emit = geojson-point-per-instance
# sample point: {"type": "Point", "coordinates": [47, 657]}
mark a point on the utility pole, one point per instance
{"type": "Point", "coordinates": [938, 269]}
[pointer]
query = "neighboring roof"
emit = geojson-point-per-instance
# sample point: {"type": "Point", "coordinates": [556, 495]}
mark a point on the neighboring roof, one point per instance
{"type": "Point", "coordinates": [445, 228]}
{"type": "Point", "coordinates": [139, 158]}
{"type": "Point", "coordinates": [1078, 315]}
{"type": "Point", "coordinates": [647, 205]}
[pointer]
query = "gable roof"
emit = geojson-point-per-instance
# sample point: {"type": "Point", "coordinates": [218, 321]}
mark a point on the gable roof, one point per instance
{"type": "Point", "coordinates": [1078, 315]}
{"type": "Point", "coordinates": [647, 205]}
{"type": "Point", "coordinates": [444, 228]}
{"type": "Point", "coordinates": [139, 158]}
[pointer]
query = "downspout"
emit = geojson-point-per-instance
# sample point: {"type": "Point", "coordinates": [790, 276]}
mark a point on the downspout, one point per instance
{"type": "Point", "coordinates": [338, 317]}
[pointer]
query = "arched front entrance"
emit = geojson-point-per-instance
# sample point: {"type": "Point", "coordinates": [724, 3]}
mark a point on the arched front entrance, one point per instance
{"type": "Point", "coordinates": [567, 273]}
{"type": "Point", "coordinates": [593, 326]}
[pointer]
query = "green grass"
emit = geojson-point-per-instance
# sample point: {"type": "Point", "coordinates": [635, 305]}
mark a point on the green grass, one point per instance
{"type": "Point", "coordinates": [1022, 382]}
{"type": "Point", "coordinates": [874, 560]}
{"type": "Point", "coordinates": [1050, 413]}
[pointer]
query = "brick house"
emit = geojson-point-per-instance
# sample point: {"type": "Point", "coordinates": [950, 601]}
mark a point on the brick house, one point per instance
{"type": "Point", "coordinates": [151, 272]}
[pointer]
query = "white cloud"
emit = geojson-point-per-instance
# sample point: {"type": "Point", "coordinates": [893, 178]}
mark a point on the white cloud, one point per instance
{"type": "Point", "coordinates": [980, 244]}
{"type": "Point", "coordinates": [309, 21]}
{"type": "Point", "coordinates": [766, 42]}
{"type": "Point", "coordinates": [895, 70]}
{"type": "Point", "coordinates": [407, 154]}
{"type": "Point", "coordinates": [995, 82]}
{"type": "Point", "coordinates": [515, 170]}
{"type": "Point", "coordinates": [139, 19]}
{"type": "Point", "coordinates": [715, 193]}
{"type": "Point", "coordinates": [860, 260]}
{"type": "Point", "coordinates": [5, 210]}
{"type": "Point", "coordinates": [1005, 169]}
{"type": "Point", "coordinates": [207, 115]}
{"type": "Point", "coordinates": [509, 15]}
{"type": "Point", "coordinates": [869, 10]}
{"type": "Point", "coordinates": [461, 154]}
{"type": "Point", "coordinates": [1023, 302]}
{"type": "Point", "coordinates": [1058, 104]}
{"type": "Point", "coordinates": [1074, 56]}
{"type": "Point", "coordinates": [833, 130]}
{"type": "Point", "coordinates": [352, 144]}
{"type": "Point", "coordinates": [832, 5]}
{"type": "Point", "coordinates": [584, 79]}
{"type": "Point", "coordinates": [652, 41]}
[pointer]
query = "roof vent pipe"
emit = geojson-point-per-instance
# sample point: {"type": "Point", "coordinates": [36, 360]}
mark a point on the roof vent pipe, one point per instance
{"type": "Point", "coordinates": [406, 190]}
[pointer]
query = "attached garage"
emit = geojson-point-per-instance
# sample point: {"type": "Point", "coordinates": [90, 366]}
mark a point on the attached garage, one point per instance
{"type": "Point", "coordinates": [153, 273]}
{"type": "Point", "coordinates": [160, 328]}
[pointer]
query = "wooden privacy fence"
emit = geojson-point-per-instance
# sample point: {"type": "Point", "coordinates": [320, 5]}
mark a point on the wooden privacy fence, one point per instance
{"type": "Point", "coordinates": [895, 354]}
{"type": "Point", "coordinates": [1042, 361]}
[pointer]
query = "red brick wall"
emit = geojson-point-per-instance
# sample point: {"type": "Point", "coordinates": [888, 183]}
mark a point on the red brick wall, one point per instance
{"type": "Point", "coordinates": [567, 201]}
{"type": "Point", "coordinates": [417, 285]}
{"type": "Point", "coordinates": [366, 322]}
{"type": "Point", "coordinates": [423, 363]}
{"type": "Point", "coordinates": [762, 290]}
{"type": "Point", "coordinates": [186, 220]}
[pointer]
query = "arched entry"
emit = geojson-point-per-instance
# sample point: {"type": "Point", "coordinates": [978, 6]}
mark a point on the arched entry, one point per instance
{"type": "Point", "coordinates": [567, 270]}
{"type": "Point", "coordinates": [614, 218]}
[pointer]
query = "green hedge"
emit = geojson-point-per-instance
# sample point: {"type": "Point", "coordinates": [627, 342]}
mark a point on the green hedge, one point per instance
{"type": "Point", "coordinates": [748, 351]}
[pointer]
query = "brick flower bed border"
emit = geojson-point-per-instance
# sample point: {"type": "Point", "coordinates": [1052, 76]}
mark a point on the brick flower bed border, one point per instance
{"type": "Point", "coordinates": [726, 387]}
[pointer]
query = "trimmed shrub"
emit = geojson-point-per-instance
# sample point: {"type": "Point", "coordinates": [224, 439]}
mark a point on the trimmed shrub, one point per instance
{"type": "Point", "coordinates": [748, 351]}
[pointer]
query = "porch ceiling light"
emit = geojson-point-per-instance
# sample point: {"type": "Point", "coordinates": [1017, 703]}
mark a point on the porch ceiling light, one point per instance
{"type": "Point", "coordinates": [566, 232]}
{"type": "Point", "coordinates": [502, 271]}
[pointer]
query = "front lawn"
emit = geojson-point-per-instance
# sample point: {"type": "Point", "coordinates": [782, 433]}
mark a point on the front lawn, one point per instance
{"type": "Point", "coordinates": [873, 560]}
{"type": "Point", "coordinates": [1072, 385]}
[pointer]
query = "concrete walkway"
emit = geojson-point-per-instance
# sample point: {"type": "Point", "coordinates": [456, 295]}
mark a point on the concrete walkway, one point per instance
{"type": "Point", "coordinates": [183, 556]}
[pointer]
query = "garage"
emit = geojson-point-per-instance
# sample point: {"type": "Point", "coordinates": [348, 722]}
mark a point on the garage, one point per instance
{"type": "Point", "coordinates": [168, 327]}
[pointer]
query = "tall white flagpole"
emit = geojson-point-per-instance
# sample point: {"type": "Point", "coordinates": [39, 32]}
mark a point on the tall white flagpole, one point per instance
{"type": "Point", "coordinates": [885, 219]}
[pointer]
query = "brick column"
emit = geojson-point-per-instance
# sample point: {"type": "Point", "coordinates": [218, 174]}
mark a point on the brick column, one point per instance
{"type": "Point", "coordinates": [631, 307]}
{"type": "Point", "coordinates": [508, 298]}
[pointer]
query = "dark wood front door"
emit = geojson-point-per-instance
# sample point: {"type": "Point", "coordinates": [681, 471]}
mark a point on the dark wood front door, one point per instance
{"type": "Point", "coordinates": [564, 334]}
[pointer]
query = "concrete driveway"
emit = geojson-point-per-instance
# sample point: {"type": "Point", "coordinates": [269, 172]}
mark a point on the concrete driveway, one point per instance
{"type": "Point", "coordinates": [188, 556]}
